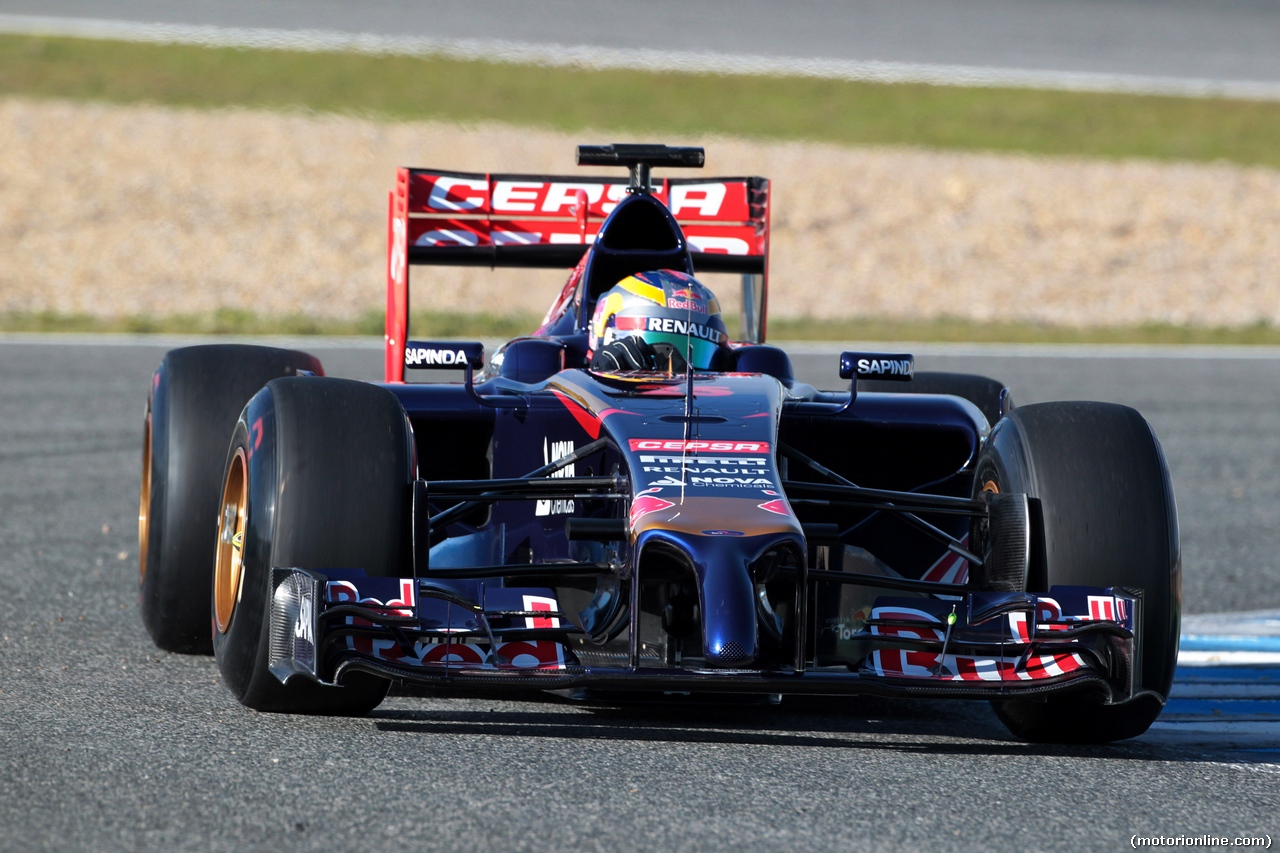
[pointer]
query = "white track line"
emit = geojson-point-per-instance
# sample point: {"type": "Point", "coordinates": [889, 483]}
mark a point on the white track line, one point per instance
{"type": "Point", "coordinates": [1234, 733]}
{"type": "Point", "coordinates": [1171, 351]}
{"type": "Point", "coordinates": [1228, 658]}
{"type": "Point", "coordinates": [1198, 352]}
{"type": "Point", "coordinates": [582, 56]}
{"type": "Point", "coordinates": [1221, 706]}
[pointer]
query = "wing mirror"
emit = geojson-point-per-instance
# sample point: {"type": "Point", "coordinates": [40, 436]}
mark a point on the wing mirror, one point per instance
{"type": "Point", "coordinates": [443, 355]}
{"type": "Point", "coordinates": [896, 366]}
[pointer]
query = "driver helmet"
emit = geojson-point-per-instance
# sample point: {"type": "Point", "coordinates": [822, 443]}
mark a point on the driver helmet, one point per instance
{"type": "Point", "coordinates": [673, 311]}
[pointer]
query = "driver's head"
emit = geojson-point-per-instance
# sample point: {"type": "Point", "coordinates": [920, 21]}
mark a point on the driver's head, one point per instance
{"type": "Point", "coordinates": [671, 311]}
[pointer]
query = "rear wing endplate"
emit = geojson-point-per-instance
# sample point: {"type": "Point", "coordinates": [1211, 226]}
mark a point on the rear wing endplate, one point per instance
{"type": "Point", "coordinates": [548, 221]}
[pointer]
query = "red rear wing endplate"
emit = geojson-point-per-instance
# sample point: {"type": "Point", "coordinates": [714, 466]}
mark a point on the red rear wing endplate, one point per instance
{"type": "Point", "coordinates": [548, 221]}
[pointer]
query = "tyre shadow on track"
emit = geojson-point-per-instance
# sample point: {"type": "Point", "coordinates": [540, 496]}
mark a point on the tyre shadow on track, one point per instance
{"type": "Point", "coordinates": [905, 726]}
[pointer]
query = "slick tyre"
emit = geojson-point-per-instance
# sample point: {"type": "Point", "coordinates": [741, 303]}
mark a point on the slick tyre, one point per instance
{"type": "Point", "coordinates": [1102, 514]}
{"type": "Point", "coordinates": [196, 395]}
{"type": "Point", "coordinates": [989, 395]}
{"type": "Point", "coordinates": [318, 476]}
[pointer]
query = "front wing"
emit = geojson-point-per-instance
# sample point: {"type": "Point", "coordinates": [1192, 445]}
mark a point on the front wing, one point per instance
{"type": "Point", "coordinates": [980, 645]}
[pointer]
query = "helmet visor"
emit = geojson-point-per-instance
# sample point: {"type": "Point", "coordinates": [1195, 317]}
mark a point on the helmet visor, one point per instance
{"type": "Point", "coordinates": [692, 340]}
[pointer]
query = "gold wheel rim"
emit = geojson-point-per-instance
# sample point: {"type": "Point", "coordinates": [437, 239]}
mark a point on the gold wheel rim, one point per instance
{"type": "Point", "coordinates": [227, 571]}
{"type": "Point", "coordinates": [144, 502]}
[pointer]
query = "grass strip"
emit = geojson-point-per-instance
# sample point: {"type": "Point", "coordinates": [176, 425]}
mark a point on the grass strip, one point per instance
{"type": "Point", "coordinates": [235, 322]}
{"type": "Point", "coordinates": [456, 325]}
{"type": "Point", "coordinates": [952, 330]}
{"type": "Point", "coordinates": [644, 104]}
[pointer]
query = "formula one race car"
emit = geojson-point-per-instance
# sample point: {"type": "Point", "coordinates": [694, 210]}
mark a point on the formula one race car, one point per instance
{"type": "Point", "coordinates": [628, 502]}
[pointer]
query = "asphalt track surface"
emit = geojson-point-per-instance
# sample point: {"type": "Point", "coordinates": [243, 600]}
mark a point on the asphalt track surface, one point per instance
{"type": "Point", "coordinates": [107, 743]}
{"type": "Point", "coordinates": [1216, 40]}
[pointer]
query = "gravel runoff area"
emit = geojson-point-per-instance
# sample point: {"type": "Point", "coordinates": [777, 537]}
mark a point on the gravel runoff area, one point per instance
{"type": "Point", "coordinates": [120, 210]}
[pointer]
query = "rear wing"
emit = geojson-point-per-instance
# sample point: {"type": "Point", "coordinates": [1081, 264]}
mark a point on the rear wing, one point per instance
{"type": "Point", "coordinates": [496, 220]}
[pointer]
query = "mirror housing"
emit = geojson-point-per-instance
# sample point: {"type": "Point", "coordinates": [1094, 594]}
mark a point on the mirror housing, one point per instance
{"type": "Point", "coordinates": [900, 367]}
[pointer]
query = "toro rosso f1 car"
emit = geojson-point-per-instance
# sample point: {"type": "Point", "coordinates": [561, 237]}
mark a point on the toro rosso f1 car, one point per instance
{"type": "Point", "coordinates": [627, 501]}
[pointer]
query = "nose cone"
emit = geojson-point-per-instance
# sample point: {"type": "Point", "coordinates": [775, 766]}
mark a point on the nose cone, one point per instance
{"type": "Point", "coordinates": [730, 636]}
{"type": "Point", "coordinates": [722, 565]}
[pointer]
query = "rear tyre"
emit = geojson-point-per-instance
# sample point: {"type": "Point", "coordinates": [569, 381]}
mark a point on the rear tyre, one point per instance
{"type": "Point", "coordinates": [319, 476]}
{"type": "Point", "coordinates": [196, 395]}
{"type": "Point", "coordinates": [989, 395]}
{"type": "Point", "coordinates": [1106, 517]}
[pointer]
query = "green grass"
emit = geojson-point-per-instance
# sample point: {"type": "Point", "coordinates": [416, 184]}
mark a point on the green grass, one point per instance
{"type": "Point", "coordinates": [644, 105]}
{"type": "Point", "coordinates": [952, 330]}
{"type": "Point", "coordinates": [235, 322]}
{"type": "Point", "coordinates": [449, 325]}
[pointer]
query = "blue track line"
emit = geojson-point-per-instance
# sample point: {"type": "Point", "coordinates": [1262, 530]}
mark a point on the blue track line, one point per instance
{"type": "Point", "coordinates": [1241, 708]}
{"type": "Point", "coordinates": [1208, 643]}
{"type": "Point", "coordinates": [1226, 674]}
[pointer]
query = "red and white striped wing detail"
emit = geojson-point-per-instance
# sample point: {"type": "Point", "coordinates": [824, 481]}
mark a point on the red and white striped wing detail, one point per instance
{"type": "Point", "coordinates": [912, 664]}
{"type": "Point", "coordinates": [950, 568]}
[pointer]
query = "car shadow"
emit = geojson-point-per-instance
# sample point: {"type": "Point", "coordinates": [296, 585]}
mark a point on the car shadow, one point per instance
{"type": "Point", "coordinates": [931, 727]}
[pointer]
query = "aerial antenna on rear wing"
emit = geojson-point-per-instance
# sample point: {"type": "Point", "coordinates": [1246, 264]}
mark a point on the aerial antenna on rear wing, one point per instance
{"type": "Point", "coordinates": [640, 160]}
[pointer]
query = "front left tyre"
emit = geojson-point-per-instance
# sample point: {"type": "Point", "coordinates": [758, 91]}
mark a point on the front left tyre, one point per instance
{"type": "Point", "coordinates": [196, 395]}
{"type": "Point", "coordinates": [1103, 515]}
{"type": "Point", "coordinates": [319, 476]}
